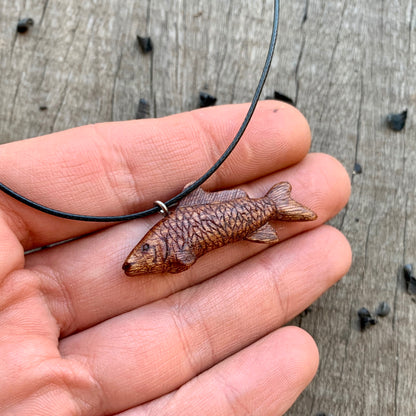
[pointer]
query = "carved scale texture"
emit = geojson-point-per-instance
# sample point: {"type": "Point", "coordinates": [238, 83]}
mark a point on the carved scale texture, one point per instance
{"type": "Point", "coordinates": [206, 221]}
{"type": "Point", "coordinates": [203, 228]}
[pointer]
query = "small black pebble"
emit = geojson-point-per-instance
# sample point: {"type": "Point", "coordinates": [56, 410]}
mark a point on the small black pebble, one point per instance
{"type": "Point", "coordinates": [143, 109]}
{"type": "Point", "coordinates": [357, 169]}
{"type": "Point", "coordinates": [145, 43]}
{"type": "Point", "coordinates": [383, 309]}
{"type": "Point", "coordinates": [43, 107]}
{"type": "Point", "coordinates": [357, 220]}
{"type": "Point", "coordinates": [281, 97]}
{"type": "Point", "coordinates": [366, 319]}
{"type": "Point", "coordinates": [397, 121]}
{"type": "Point", "coordinates": [206, 100]}
{"type": "Point", "coordinates": [24, 24]}
{"type": "Point", "coordinates": [410, 279]}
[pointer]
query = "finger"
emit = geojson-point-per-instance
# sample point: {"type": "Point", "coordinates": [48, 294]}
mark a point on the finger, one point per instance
{"type": "Point", "coordinates": [83, 280]}
{"type": "Point", "coordinates": [173, 340]}
{"type": "Point", "coordinates": [123, 167]}
{"type": "Point", "coordinates": [263, 379]}
{"type": "Point", "coordinates": [11, 251]}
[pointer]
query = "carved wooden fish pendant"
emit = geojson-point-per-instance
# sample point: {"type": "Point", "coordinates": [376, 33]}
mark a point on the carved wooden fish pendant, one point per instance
{"type": "Point", "coordinates": [204, 221]}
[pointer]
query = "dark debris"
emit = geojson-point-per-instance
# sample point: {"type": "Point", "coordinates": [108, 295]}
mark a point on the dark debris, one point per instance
{"type": "Point", "coordinates": [357, 169]}
{"type": "Point", "coordinates": [145, 43]}
{"type": "Point", "coordinates": [206, 100]}
{"type": "Point", "coordinates": [306, 312]}
{"type": "Point", "coordinates": [366, 319]}
{"type": "Point", "coordinates": [396, 122]}
{"type": "Point", "coordinates": [143, 109]}
{"type": "Point", "coordinates": [281, 97]}
{"type": "Point", "coordinates": [43, 107]}
{"type": "Point", "coordinates": [23, 25]}
{"type": "Point", "coordinates": [383, 309]}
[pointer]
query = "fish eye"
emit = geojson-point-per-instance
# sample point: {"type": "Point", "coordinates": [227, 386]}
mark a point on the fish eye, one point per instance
{"type": "Point", "coordinates": [145, 247]}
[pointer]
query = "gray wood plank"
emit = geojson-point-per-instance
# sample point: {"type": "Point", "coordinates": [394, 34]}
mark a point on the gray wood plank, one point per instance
{"type": "Point", "coordinates": [347, 64]}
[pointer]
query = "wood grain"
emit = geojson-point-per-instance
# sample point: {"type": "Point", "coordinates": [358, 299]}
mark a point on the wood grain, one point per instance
{"type": "Point", "coordinates": [347, 64]}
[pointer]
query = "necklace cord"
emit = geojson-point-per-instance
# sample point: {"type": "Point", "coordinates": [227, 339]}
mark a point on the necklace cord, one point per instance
{"type": "Point", "coordinates": [194, 185]}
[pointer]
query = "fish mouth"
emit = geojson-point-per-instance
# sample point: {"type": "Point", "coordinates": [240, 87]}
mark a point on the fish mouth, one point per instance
{"type": "Point", "coordinates": [133, 268]}
{"type": "Point", "coordinates": [129, 269]}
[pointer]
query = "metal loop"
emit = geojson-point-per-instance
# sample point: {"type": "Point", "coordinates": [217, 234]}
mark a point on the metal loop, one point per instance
{"type": "Point", "coordinates": [163, 208]}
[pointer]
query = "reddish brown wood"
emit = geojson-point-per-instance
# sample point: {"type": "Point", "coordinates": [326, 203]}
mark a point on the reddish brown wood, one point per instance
{"type": "Point", "coordinates": [205, 221]}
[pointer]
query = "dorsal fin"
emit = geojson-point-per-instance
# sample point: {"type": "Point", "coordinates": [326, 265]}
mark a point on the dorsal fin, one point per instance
{"type": "Point", "coordinates": [200, 197]}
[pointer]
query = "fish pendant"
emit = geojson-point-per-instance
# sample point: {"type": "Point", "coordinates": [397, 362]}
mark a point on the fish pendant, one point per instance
{"type": "Point", "coordinates": [204, 221]}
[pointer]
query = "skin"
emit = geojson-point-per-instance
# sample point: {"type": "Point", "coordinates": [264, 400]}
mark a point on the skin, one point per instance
{"type": "Point", "coordinates": [78, 337]}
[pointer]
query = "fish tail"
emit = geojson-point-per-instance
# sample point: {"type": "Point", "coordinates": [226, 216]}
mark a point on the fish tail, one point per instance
{"type": "Point", "coordinates": [287, 209]}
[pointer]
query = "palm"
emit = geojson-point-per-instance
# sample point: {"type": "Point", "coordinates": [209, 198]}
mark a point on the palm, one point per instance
{"type": "Point", "coordinates": [79, 337]}
{"type": "Point", "coordinates": [31, 360]}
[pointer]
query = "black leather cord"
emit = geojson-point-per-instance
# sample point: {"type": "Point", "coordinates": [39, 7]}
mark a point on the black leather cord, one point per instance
{"type": "Point", "coordinates": [195, 184]}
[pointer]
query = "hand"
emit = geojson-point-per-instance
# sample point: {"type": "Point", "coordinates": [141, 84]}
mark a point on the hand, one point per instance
{"type": "Point", "coordinates": [79, 337]}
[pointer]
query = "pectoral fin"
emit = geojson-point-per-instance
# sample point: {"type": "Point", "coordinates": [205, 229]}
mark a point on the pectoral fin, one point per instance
{"type": "Point", "coordinates": [265, 234]}
{"type": "Point", "coordinates": [184, 260]}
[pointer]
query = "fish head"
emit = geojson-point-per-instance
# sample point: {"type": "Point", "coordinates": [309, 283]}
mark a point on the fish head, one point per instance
{"type": "Point", "coordinates": [153, 255]}
{"type": "Point", "coordinates": [149, 256]}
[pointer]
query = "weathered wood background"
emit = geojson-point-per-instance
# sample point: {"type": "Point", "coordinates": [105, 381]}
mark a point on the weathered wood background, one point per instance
{"type": "Point", "coordinates": [347, 64]}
